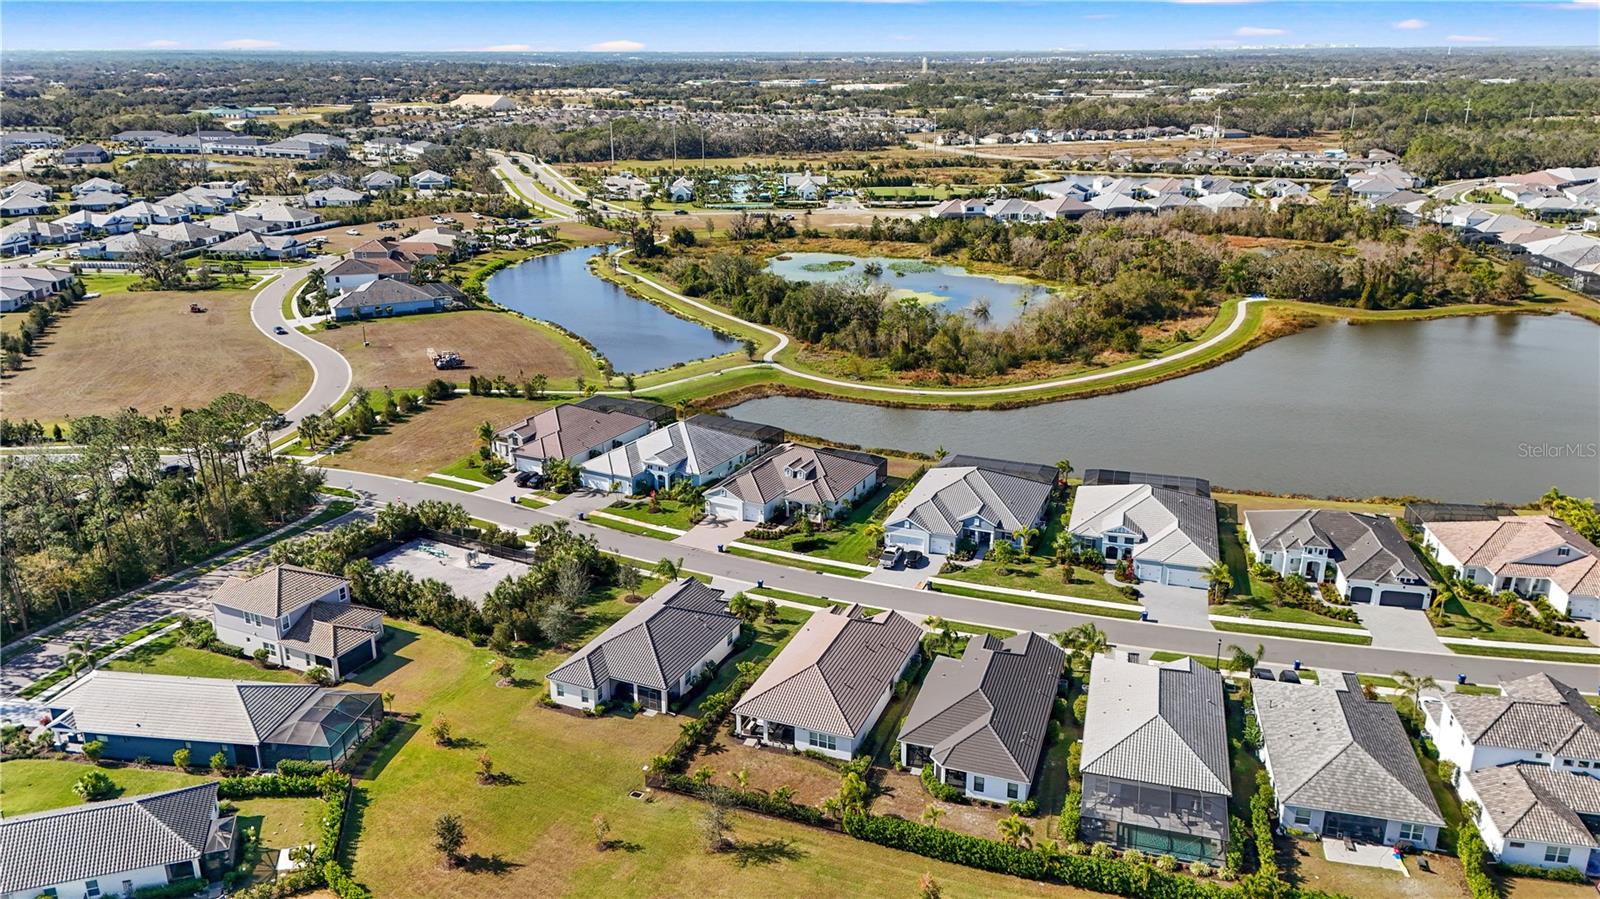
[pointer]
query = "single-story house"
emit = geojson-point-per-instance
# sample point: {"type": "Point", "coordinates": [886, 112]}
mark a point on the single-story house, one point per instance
{"type": "Point", "coordinates": [805, 185]}
{"type": "Point", "coordinates": [1365, 556]}
{"type": "Point", "coordinates": [86, 222]}
{"type": "Point", "coordinates": [19, 204]}
{"type": "Point", "coordinates": [654, 654]}
{"type": "Point", "coordinates": [99, 200]}
{"type": "Point", "coordinates": [20, 287]}
{"type": "Point", "coordinates": [1530, 555]}
{"type": "Point", "coordinates": [701, 450]}
{"type": "Point", "coordinates": [1342, 764]}
{"type": "Point", "coordinates": [390, 296]}
{"type": "Point", "coordinates": [118, 846]}
{"type": "Point", "coordinates": [335, 196]}
{"type": "Point", "coordinates": [831, 681]}
{"type": "Point", "coordinates": [238, 223]}
{"type": "Point", "coordinates": [125, 246]}
{"type": "Point", "coordinates": [253, 724]}
{"type": "Point", "coordinates": [982, 720]}
{"type": "Point", "coordinates": [577, 431]}
{"type": "Point", "coordinates": [1535, 719]}
{"type": "Point", "coordinates": [381, 181]}
{"type": "Point", "coordinates": [139, 138]}
{"type": "Point", "coordinates": [285, 218]}
{"type": "Point", "coordinates": [429, 180]}
{"type": "Point", "coordinates": [818, 481]}
{"type": "Point", "coordinates": [302, 618]}
{"type": "Point", "coordinates": [355, 271]}
{"type": "Point", "coordinates": [327, 180]}
{"type": "Point", "coordinates": [1155, 764]}
{"type": "Point", "coordinates": [147, 213]}
{"type": "Point", "coordinates": [681, 190]}
{"type": "Point", "coordinates": [252, 245]}
{"type": "Point", "coordinates": [1531, 814]}
{"type": "Point", "coordinates": [85, 154]}
{"type": "Point", "coordinates": [1170, 534]}
{"type": "Point", "coordinates": [187, 234]}
{"type": "Point", "coordinates": [970, 499]}
{"type": "Point", "coordinates": [24, 234]}
{"type": "Point", "coordinates": [98, 185]}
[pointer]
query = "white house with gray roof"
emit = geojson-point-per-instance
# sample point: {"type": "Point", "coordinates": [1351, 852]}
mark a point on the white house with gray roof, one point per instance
{"type": "Point", "coordinates": [817, 481]}
{"type": "Point", "coordinates": [700, 450]}
{"type": "Point", "coordinates": [577, 431]}
{"type": "Point", "coordinates": [117, 847]}
{"type": "Point", "coordinates": [981, 720]}
{"type": "Point", "coordinates": [1171, 535]}
{"type": "Point", "coordinates": [1532, 814]}
{"type": "Point", "coordinates": [1342, 765]}
{"type": "Point", "coordinates": [1537, 719]}
{"type": "Point", "coordinates": [1155, 758]}
{"type": "Point", "coordinates": [830, 683]}
{"type": "Point", "coordinates": [972, 500]}
{"type": "Point", "coordinates": [302, 618]}
{"type": "Point", "coordinates": [1365, 556]}
{"type": "Point", "coordinates": [652, 655]}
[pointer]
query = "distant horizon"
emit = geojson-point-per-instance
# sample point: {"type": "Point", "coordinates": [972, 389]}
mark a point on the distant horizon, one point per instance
{"type": "Point", "coordinates": [813, 27]}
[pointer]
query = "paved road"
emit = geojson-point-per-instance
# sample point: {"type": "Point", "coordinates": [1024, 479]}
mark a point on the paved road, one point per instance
{"type": "Point", "coordinates": [1178, 638]}
{"type": "Point", "coordinates": [538, 193]}
{"type": "Point", "coordinates": [331, 375]}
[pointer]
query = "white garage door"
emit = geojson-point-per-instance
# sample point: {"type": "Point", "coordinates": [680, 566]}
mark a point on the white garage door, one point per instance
{"type": "Point", "coordinates": [599, 482]}
{"type": "Point", "coordinates": [726, 508]}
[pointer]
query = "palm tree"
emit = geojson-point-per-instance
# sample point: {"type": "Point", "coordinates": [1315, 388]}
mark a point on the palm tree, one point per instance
{"type": "Point", "coordinates": [1082, 644]}
{"type": "Point", "coordinates": [931, 815]}
{"type": "Point", "coordinates": [80, 654]}
{"type": "Point", "coordinates": [1219, 580]}
{"type": "Point", "coordinates": [1241, 660]}
{"type": "Point", "coordinates": [1016, 832]}
{"type": "Point", "coordinates": [1413, 685]}
{"type": "Point", "coordinates": [980, 310]}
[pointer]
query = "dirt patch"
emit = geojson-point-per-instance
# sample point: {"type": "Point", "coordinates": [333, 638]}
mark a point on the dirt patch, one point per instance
{"type": "Point", "coordinates": [579, 233]}
{"type": "Point", "coordinates": [395, 353]}
{"type": "Point", "coordinates": [339, 241]}
{"type": "Point", "coordinates": [146, 350]}
{"type": "Point", "coordinates": [768, 769]}
{"type": "Point", "coordinates": [902, 794]}
{"type": "Point", "coordinates": [1443, 880]}
{"type": "Point", "coordinates": [431, 439]}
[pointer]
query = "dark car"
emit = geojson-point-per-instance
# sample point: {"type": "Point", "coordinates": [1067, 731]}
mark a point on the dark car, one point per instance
{"type": "Point", "coordinates": [1261, 673]}
{"type": "Point", "coordinates": [915, 558]}
{"type": "Point", "coordinates": [680, 212]}
{"type": "Point", "coordinates": [529, 479]}
{"type": "Point", "coordinates": [1288, 677]}
{"type": "Point", "coordinates": [280, 329]}
{"type": "Point", "coordinates": [176, 470]}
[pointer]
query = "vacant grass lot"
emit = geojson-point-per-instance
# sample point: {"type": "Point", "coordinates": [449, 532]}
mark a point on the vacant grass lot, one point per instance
{"type": "Point", "coordinates": [432, 439]}
{"type": "Point", "coordinates": [145, 349]}
{"type": "Point", "coordinates": [395, 352]}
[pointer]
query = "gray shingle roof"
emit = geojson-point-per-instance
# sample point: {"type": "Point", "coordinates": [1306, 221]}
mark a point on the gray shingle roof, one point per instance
{"type": "Point", "coordinates": [102, 838]}
{"type": "Point", "coordinates": [276, 591]}
{"type": "Point", "coordinates": [1536, 712]}
{"type": "Point", "coordinates": [1334, 749]}
{"type": "Point", "coordinates": [699, 447]}
{"type": "Point", "coordinates": [181, 708]}
{"type": "Point", "coordinates": [1157, 724]}
{"type": "Point", "coordinates": [832, 673]}
{"type": "Point", "coordinates": [657, 642]}
{"type": "Point", "coordinates": [1366, 547]}
{"type": "Point", "coordinates": [988, 711]}
{"type": "Point", "coordinates": [820, 474]}
{"type": "Point", "coordinates": [947, 496]}
{"type": "Point", "coordinates": [1539, 804]}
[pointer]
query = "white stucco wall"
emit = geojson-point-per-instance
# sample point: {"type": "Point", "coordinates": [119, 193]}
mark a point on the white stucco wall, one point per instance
{"type": "Point", "coordinates": [110, 884]}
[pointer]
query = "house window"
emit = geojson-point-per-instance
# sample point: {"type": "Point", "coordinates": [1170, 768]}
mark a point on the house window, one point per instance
{"type": "Point", "coordinates": [1557, 855]}
{"type": "Point", "coordinates": [977, 783]}
{"type": "Point", "coordinates": [180, 870]}
{"type": "Point", "coordinates": [1583, 764]}
{"type": "Point", "coordinates": [1516, 845]}
{"type": "Point", "coordinates": [1012, 790]}
{"type": "Point", "coordinates": [560, 690]}
{"type": "Point", "coordinates": [1563, 550]}
{"type": "Point", "coordinates": [1568, 763]}
{"type": "Point", "coordinates": [1302, 818]}
{"type": "Point", "coordinates": [822, 741]}
{"type": "Point", "coordinates": [1412, 833]}
{"type": "Point", "coordinates": [91, 888]}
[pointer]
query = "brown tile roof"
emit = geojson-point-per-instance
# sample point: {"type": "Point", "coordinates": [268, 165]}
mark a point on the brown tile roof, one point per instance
{"type": "Point", "coordinates": [330, 629]}
{"type": "Point", "coordinates": [1501, 546]}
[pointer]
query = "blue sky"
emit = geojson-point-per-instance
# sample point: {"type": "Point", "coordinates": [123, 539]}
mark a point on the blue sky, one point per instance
{"type": "Point", "coordinates": [770, 25]}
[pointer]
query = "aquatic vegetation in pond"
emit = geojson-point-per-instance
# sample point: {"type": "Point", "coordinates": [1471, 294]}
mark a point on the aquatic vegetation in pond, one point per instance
{"type": "Point", "coordinates": [912, 267]}
{"type": "Point", "coordinates": [989, 299]}
{"type": "Point", "coordinates": [832, 265]}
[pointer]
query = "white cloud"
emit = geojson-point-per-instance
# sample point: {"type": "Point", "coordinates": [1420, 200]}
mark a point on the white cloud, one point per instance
{"type": "Point", "coordinates": [1258, 31]}
{"type": "Point", "coordinates": [1469, 39]}
{"type": "Point", "coordinates": [249, 43]}
{"type": "Point", "coordinates": [1411, 24]}
{"type": "Point", "coordinates": [620, 46]}
{"type": "Point", "coordinates": [161, 44]}
{"type": "Point", "coordinates": [508, 48]}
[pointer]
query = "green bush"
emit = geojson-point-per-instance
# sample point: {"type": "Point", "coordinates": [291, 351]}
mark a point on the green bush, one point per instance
{"type": "Point", "coordinates": [1562, 875]}
{"type": "Point", "coordinates": [764, 803]}
{"type": "Point", "coordinates": [937, 788]}
{"type": "Point", "coordinates": [1071, 814]}
{"type": "Point", "coordinates": [94, 786]}
{"type": "Point", "coordinates": [300, 768]}
{"type": "Point", "coordinates": [1473, 855]}
{"type": "Point", "coordinates": [174, 890]}
{"type": "Point", "coordinates": [180, 758]}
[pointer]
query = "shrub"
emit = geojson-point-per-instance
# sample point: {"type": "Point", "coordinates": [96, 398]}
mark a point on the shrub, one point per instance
{"type": "Point", "coordinates": [174, 890]}
{"type": "Point", "coordinates": [1166, 864]}
{"type": "Point", "coordinates": [300, 768]}
{"type": "Point", "coordinates": [219, 762]}
{"type": "Point", "coordinates": [937, 788]}
{"type": "Point", "coordinates": [1075, 760]}
{"type": "Point", "coordinates": [1200, 869]}
{"type": "Point", "coordinates": [1080, 707]}
{"type": "Point", "coordinates": [1562, 875]}
{"type": "Point", "coordinates": [1071, 813]}
{"type": "Point", "coordinates": [93, 749]}
{"type": "Point", "coordinates": [1472, 852]}
{"type": "Point", "coordinates": [180, 758]}
{"type": "Point", "coordinates": [1447, 771]}
{"type": "Point", "coordinates": [94, 786]}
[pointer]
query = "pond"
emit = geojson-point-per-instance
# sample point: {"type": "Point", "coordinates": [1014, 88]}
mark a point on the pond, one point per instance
{"type": "Point", "coordinates": [1461, 409]}
{"type": "Point", "coordinates": [635, 335]}
{"type": "Point", "coordinates": [950, 287]}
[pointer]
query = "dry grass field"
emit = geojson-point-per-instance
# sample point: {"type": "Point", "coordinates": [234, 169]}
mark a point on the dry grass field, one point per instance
{"type": "Point", "coordinates": [431, 439]}
{"type": "Point", "coordinates": [492, 343]}
{"type": "Point", "coordinates": [145, 349]}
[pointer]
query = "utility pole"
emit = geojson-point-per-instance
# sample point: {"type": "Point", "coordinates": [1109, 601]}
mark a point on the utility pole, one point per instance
{"type": "Point", "coordinates": [611, 131]}
{"type": "Point", "coordinates": [1352, 115]}
{"type": "Point", "coordinates": [1467, 120]}
{"type": "Point", "coordinates": [674, 143]}
{"type": "Point", "coordinates": [702, 143]}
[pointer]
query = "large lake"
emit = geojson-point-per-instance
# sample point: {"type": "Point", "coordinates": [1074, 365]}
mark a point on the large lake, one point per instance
{"type": "Point", "coordinates": [950, 287]}
{"type": "Point", "coordinates": [635, 335]}
{"type": "Point", "coordinates": [1461, 409]}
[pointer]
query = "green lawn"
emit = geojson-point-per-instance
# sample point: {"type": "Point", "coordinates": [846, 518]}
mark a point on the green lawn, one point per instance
{"type": "Point", "coordinates": [1242, 759]}
{"type": "Point", "coordinates": [1064, 604]}
{"type": "Point", "coordinates": [1464, 618]}
{"type": "Point", "coordinates": [1537, 655]}
{"type": "Point", "coordinates": [453, 485]}
{"type": "Point", "coordinates": [1323, 636]}
{"type": "Point", "coordinates": [164, 656]}
{"type": "Point", "coordinates": [810, 565]}
{"type": "Point", "coordinates": [35, 785]}
{"type": "Point", "coordinates": [466, 467]}
{"type": "Point", "coordinates": [847, 541]}
{"type": "Point", "coordinates": [628, 528]}
{"type": "Point", "coordinates": [1252, 607]}
{"type": "Point", "coordinates": [672, 514]}
{"type": "Point", "coordinates": [1033, 574]}
{"type": "Point", "coordinates": [770, 637]}
{"type": "Point", "coordinates": [282, 823]}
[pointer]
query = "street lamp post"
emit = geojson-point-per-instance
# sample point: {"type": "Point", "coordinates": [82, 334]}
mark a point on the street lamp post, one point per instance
{"type": "Point", "coordinates": [1219, 653]}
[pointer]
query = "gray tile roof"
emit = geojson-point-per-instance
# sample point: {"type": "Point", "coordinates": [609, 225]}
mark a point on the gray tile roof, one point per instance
{"type": "Point", "coordinates": [1333, 749]}
{"type": "Point", "coordinates": [1366, 547]}
{"type": "Point", "coordinates": [810, 475]}
{"type": "Point", "coordinates": [657, 642]}
{"type": "Point", "coordinates": [1157, 724]}
{"type": "Point", "coordinates": [699, 447]}
{"type": "Point", "coordinates": [947, 496]}
{"type": "Point", "coordinates": [569, 431]}
{"type": "Point", "coordinates": [331, 629]}
{"type": "Point", "coordinates": [988, 712]}
{"type": "Point", "coordinates": [276, 591]}
{"type": "Point", "coordinates": [832, 673]}
{"type": "Point", "coordinates": [1178, 527]}
{"type": "Point", "coordinates": [1536, 712]}
{"type": "Point", "coordinates": [180, 708]}
{"type": "Point", "coordinates": [1539, 804]}
{"type": "Point", "coordinates": [104, 838]}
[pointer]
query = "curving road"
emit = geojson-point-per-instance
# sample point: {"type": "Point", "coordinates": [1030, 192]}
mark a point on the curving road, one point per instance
{"type": "Point", "coordinates": [331, 376]}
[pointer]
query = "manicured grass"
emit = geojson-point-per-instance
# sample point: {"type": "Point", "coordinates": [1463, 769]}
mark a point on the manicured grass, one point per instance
{"type": "Point", "coordinates": [770, 637]}
{"type": "Point", "coordinates": [1477, 690]}
{"type": "Point", "coordinates": [453, 485]}
{"type": "Point", "coordinates": [36, 785]}
{"type": "Point", "coordinates": [1323, 636]}
{"type": "Point", "coordinates": [1465, 618]}
{"type": "Point", "coordinates": [810, 565]}
{"type": "Point", "coordinates": [672, 514]}
{"type": "Point", "coordinates": [282, 823]}
{"type": "Point", "coordinates": [163, 655]}
{"type": "Point", "coordinates": [1264, 612]}
{"type": "Point", "coordinates": [1033, 574]}
{"type": "Point", "coordinates": [791, 596]}
{"type": "Point", "coordinates": [1531, 654]}
{"type": "Point", "coordinates": [847, 540]}
{"type": "Point", "coordinates": [1063, 604]}
{"type": "Point", "coordinates": [464, 468]}
{"type": "Point", "coordinates": [1248, 501]}
{"type": "Point", "coordinates": [627, 528]}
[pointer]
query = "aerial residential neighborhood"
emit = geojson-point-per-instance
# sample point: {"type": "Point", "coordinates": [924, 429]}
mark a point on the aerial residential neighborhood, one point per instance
{"type": "Point", "coordinates": [939, 450]}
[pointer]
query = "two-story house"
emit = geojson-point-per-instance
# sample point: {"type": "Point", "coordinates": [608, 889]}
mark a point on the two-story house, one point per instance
{"type": "Point", "coordinates": [1365, 556]}
{"type": "Point", "coordinates": [302, 618]}
{"type": "Point", "coordinates": [1530, 555]}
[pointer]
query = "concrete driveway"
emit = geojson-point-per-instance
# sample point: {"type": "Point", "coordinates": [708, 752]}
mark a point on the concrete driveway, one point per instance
{"type": "Point", "coordinates": [581, 501]}
{"type": "Point", "coordinates": [1175, 605]}
{"type": "Point", "coordinates": [1396, 628]}
{"type": "Point", "coordinates": [907, 576]}
{"type": "Point", "coordinates": [713, 532]}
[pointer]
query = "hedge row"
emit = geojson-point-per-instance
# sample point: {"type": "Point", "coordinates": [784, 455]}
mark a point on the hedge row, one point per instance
{"type": "Point", "coordinates": [324, 870]}
{"type": "Point", "coordinates": [1474, 859]}
{"type": "Point", "coordinates": [713, 709]}
{"type": "Point", "coordinates": [746, 799]}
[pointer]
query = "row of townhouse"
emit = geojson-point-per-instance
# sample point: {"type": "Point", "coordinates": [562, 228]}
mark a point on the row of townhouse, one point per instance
{"type": "Point", "coordinates": [1109, 195]}
{"type": "Point", "coordinates": [1571, 256]}
{"type": "Point", "coordinates": [308, 145]}
{"type": "Point", "coordinates": [1563, 192]}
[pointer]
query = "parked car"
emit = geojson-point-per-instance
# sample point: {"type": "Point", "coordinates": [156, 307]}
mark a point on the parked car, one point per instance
{"type": "Point", "coordinates": [529, 479]}
{"type": "Point", "coordinates": [914, 558]}
{"type": "Point", "coordinates": [891, 557]}
{"type": "Point", "coordinates": [176, 470]}
{"type": "Point", "coordinates": [680, 212]}
{"type": "Point", "coordinates": [280, 329]}
{"type": "Point", "coordinates": [1261, 673]}
{"type": "Point", "coordinates": [1288, 677]}
{"type": "Point", "coordinates": [353, 232]}
{"type": "Point", "coordinates": [276, 423]}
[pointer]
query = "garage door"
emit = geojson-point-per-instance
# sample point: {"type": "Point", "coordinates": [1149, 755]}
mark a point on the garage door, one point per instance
{"type": "Point", "coordinates": [1402, 598]}
{"type": "Point", "coordinates": [726, 509]}
{"type": "Point", "coordinates": [1361, 594]}
{"type": "Point", "coordinates": [1185, 577]}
